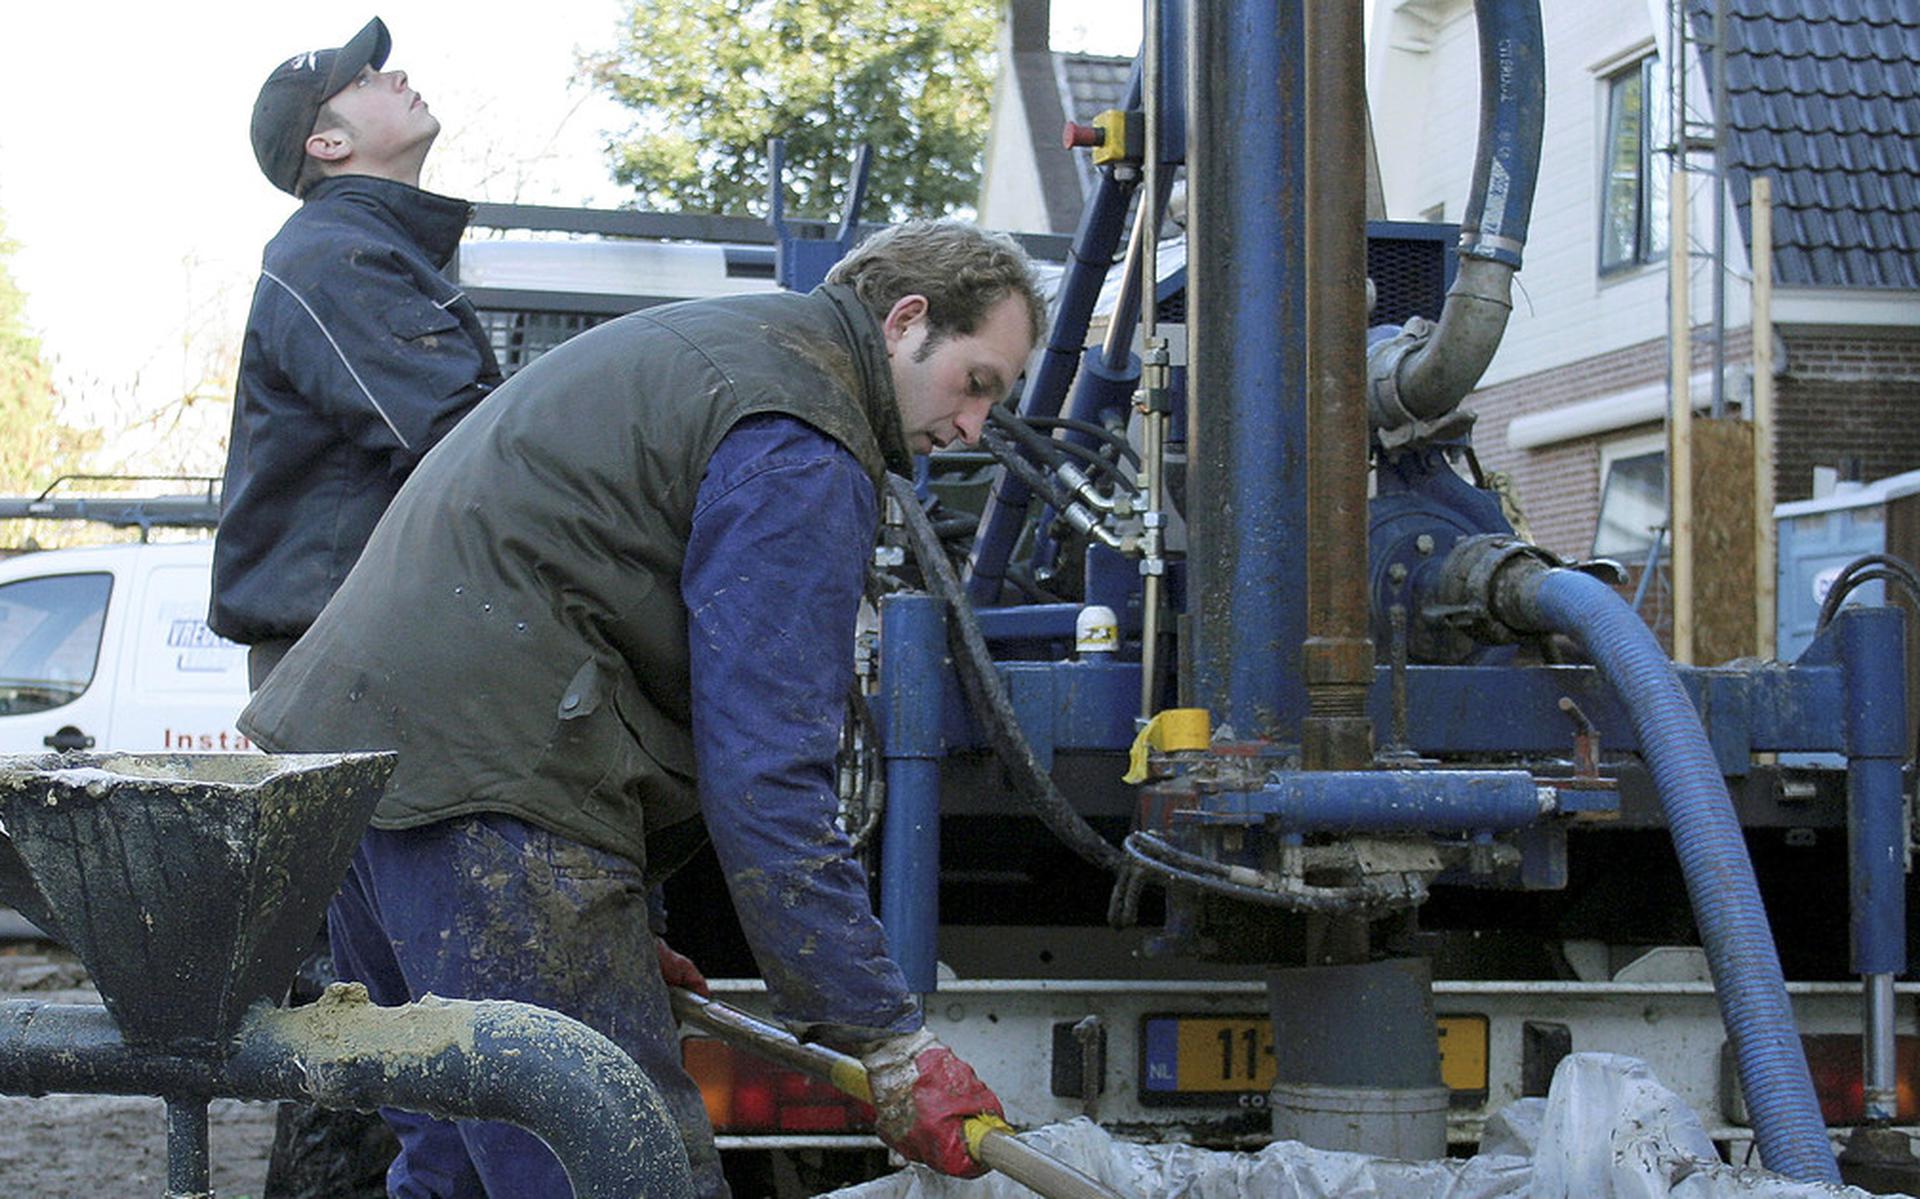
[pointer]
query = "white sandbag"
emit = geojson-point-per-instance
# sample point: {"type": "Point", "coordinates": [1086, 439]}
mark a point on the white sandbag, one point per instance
{"type": "Point", "coordinates": [1607, 1130]}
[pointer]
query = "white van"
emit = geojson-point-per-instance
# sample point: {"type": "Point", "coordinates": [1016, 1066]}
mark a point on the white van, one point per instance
{"type": "Point", "coordinates": [107, 648]}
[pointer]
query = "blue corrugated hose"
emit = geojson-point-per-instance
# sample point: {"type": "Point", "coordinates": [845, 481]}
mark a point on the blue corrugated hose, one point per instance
{"type": "Point", "coordinates": [1713, 856]}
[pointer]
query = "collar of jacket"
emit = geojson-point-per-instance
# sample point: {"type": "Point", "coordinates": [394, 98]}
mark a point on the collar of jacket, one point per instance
{"type": "Point", "coordinates": [434, 222]}
{"type": "Point", "coordinates": [876, 377]}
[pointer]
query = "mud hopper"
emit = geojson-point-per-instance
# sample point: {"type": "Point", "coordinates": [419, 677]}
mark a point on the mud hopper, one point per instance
{"type": "Point", "coordinates": [189, 886]}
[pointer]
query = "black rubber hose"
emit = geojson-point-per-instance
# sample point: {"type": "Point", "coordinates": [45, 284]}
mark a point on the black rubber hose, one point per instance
{"type": "Point", "coordinates": [1856, 573]}
{"type": "Point", "coordinates": [1112, 437]}
{"type": "Point", "coordinates": [987, 694]}
{"type": "Point", "coordinates": [1039, 482]}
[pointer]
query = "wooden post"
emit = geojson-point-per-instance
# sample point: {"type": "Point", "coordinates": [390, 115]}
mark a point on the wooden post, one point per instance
{"type": "Point", "coordinates": [1765, 577]}
{"type": "Point", "coordinates": [1680, 419]}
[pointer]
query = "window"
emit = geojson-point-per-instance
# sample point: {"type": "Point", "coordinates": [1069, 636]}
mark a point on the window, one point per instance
{"type": "Point", "coordinates": [1633, 185]}
{"type": "Point", "coordinates": [1633, 497]}
{"type": "Point", "coordinates": [49, 639]}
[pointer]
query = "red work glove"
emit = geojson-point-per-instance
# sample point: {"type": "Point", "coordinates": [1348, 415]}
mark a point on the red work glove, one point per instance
{"type": "Point", "coordinates": [922, 1098]}
{"type": "Point", "coordinates": [679, 971]}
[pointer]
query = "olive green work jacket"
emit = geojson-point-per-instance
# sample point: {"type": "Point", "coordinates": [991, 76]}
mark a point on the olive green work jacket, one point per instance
{"type": "Point", "coordinates": [515, 628]}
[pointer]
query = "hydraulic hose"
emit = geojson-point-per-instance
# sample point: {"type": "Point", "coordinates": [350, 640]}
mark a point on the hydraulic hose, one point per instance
{"type": "Point", "coordinates": [1423, 373]}
{"type": "Point", "coordinates": [1747, 978]}
{"type": "Point", "coordinates": [987, 695]}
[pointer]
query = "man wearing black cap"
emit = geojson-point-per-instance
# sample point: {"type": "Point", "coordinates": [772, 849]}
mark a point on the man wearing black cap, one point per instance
{"type": "Point", "coordinates": [359, 354]}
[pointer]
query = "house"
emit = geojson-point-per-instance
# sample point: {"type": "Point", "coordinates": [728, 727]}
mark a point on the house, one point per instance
{"type": "Point", "coordinates": [1032, 182]}
{"type": "Point", "coordinates": [1823, 98]}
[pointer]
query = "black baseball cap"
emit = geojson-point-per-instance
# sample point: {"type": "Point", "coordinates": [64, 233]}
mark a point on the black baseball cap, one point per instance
{"type": "Point", "coordinates": [290, 99]}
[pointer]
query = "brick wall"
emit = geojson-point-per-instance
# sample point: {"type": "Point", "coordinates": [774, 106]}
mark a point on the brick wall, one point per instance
{"type": "Point", "coordinates": [1840, 397]}
{"type": "Point", "coordinates": [1847, 401]}
{"type": "Point", "coordinates": [1558, 486]}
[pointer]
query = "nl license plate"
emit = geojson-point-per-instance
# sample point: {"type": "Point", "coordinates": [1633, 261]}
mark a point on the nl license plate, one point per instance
{"type": "Point", "coordinates": [1227, 1061]}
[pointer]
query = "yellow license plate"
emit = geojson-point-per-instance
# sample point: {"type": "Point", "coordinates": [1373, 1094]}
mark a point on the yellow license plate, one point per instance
{"type": "Point", "coordinates": [1228, 1060]}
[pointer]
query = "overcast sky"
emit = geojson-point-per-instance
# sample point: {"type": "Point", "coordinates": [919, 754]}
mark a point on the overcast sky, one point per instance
{"type": "Point", "coordinates": [127, 180]}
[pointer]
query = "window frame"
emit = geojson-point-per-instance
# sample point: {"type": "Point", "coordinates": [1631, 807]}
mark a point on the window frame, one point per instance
{"type": "Point", "coordinates": [1638, 445]}
{"type": "Point", "coordinates": [1649, 236]}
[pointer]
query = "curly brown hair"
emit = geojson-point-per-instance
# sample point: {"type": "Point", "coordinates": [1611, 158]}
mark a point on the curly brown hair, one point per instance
{"type": "Point", "coordinates": [962, 269]}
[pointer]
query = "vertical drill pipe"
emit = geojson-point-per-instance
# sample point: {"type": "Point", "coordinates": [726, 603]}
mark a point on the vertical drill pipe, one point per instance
{"type": "Point", "coordinates": [913, 640]}
{"type": "Point", "coordinates": [188, 1168]}
{"type": "Point", "coordinates": [1246, 432]}
{"type": "Point", "coordinates": [1094, 242]}
{"type": "Point", "coordinates": [1872, 647]}
{"type": "Point", "coordinates": [1337, 656]}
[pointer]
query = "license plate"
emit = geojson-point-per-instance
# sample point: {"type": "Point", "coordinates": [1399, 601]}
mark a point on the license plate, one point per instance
{"type": "Point", "coordinates": [1227, 1061]}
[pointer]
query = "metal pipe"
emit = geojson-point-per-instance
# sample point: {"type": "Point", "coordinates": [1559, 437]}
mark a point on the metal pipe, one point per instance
{"type": "Point", "coordinates": [1872, 649]}
{"type": "Point", "coordinates": [1761, 257]}
{"type": "Point", "coordinates": [1382, 801]}
{"type": "Point", "coordinates": [189, 1172]}
{"type": "Point", "coordinates": [451, 1058]}
{"type": "Point", "coordinates": [1719, 408]}
{"type": "Point", "coordinates": [1246, 480]}
{"type": "Point", "coordinates": [913, 639]}
{"type": "Point", "coordinates": [1880, 1076]}
{"type": "Point", "coordinates": [1156, 366]}
{"type": "Point", "coordinates": [1338, 653]}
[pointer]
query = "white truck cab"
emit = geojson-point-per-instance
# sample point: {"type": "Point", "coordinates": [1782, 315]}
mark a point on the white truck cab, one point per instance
{"type": "Point", "coordinates": [107, 648]}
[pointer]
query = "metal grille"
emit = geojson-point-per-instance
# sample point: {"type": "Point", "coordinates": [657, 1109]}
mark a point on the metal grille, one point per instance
{"type": "Point", "coordinates": [520, 337]}
{"type": "Point", "coordinates": [1410, 272]}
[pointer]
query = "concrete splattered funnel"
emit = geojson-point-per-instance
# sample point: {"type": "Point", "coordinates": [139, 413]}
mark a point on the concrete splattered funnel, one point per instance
{"type": "Point", "coordinates": [190, 885]}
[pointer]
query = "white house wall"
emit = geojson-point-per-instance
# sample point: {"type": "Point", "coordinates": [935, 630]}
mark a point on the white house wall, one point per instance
{"type": "Point", "coordinates": [1424, 83]}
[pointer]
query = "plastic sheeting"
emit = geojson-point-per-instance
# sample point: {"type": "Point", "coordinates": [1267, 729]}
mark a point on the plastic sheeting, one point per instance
{"type": "Point", "coordinates": [1607, 1130]}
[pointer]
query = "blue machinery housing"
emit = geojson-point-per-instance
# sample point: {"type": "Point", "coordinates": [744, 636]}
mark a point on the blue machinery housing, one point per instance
{"type": "Point", "coordinates": [1446, 587]}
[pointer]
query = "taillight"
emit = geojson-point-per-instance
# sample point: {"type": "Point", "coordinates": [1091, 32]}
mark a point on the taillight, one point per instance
{"type": "Point", "coordinates": [1834, 1060]}
{"type": "Point", "coordinates": [745, 1095]}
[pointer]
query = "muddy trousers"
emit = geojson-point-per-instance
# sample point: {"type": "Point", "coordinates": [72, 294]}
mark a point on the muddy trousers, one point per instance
{"type": "Point", "coordinates": [489, 907]}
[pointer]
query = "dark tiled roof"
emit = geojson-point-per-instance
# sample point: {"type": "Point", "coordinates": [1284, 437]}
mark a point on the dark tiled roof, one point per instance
{"type": "Point", "coordinates": [1823, 96]}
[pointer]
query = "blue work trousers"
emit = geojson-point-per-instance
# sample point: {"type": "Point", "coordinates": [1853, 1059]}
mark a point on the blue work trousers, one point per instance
{"type": "Point", "coordinates": [489, 907]}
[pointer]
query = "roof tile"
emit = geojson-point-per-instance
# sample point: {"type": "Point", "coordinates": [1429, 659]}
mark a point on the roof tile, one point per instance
{"type": "Point", "coordinates": [1824, 95]}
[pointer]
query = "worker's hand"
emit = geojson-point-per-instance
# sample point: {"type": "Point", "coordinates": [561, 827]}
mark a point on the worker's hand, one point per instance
{"type": "Point", "coordinates": [922, 1098]}
{"type": "Point", "coordinates": [679, 971]}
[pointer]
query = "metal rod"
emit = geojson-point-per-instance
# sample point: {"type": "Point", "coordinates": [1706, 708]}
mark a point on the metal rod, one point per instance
{"type": "Point", "coordinates": [1719, 409]}
{"type": "Point", "coordinates": [1764, 562]}
{"type": "Point", "coordinates": [1155, 368]}
{"type": "Point", "coordinates": [1337, 656]}
{"type": "Point", "coordinates": [188, 1166]}
{"type": "Point", "coordinates": [1881, 1084]}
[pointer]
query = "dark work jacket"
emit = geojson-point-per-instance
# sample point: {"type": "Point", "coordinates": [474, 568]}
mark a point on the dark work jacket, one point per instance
{"type": "Point", "coordinates": [359, 355]}
{"type": "Point", "coordinates": [515, 628]}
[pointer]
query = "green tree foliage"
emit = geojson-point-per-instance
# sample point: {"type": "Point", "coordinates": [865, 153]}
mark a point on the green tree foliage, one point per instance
{"type": "Point", "coordinates": [713, 80]}
{"type": "Point", "coordinates": [35, 447]}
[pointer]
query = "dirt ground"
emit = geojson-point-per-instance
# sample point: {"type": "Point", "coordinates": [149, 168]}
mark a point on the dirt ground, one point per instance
{"type": "Point", "coordinates": [86, 1146]}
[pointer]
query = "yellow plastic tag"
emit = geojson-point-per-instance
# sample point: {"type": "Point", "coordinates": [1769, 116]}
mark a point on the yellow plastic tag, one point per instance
{"type": "Point", "coordinates": [1169, 730]}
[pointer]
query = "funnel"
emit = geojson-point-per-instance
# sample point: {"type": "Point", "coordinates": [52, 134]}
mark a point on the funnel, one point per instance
{"type": "Point", "coordinates": [190, 885]}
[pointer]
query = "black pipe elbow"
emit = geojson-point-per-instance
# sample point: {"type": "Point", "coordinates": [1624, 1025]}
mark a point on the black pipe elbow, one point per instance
{"type": "Point", "coordinates": [491, 1059]}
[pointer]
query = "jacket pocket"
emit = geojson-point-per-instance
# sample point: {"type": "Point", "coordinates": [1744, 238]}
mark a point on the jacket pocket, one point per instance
{"type": "Point", "coordinates": [417, 317]}
{"type": "Point", "coordinates": [589, 747]}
